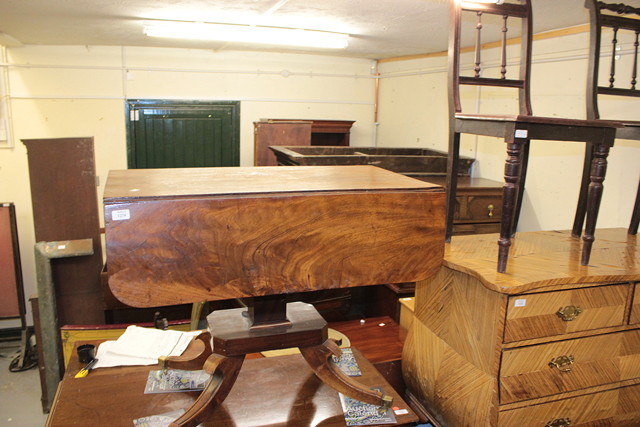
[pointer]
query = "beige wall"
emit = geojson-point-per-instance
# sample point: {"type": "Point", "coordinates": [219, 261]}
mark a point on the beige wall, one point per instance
{"type": "Point", "coordinates": [413, 112]}
{"type": "Point", "coordinates": [77, 91]}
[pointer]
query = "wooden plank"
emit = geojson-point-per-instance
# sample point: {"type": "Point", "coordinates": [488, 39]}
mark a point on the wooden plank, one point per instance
{"type": "Point", "coordinates": [65, 207]}
{"type": "Point", "coordinates": [9, 303]}
{"type": "Point", "coordinates": [258, 231]}
{"type": "Point", "coordinates": [278, 133]}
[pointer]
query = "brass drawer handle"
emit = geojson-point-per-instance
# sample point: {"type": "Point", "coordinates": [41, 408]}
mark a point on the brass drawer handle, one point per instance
{"type": "Point", "coordinates": [569, 312]}
{"type": "Point", "coordinates": [563, 363]}
{"type": "Point", "coordinates": [490, 210]}
{"type": "Point", "coordinates": [559, 422]}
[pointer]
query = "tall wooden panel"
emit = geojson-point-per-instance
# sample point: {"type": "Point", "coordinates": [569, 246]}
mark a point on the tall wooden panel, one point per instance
{"type": "Point", "coordinates": [10, 283]}
{"type": "Point", "coordinates": [65, 207]}
{"type": "Point", "coordinates": [278, 133]}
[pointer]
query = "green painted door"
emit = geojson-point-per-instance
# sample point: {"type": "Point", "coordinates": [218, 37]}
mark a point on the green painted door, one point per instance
{"type": "Point", "coordinates": [182, 134]}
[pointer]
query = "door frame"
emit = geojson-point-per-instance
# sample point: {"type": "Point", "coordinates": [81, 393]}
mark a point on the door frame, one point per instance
{"type": "Point", "coordinates": [132, 104]}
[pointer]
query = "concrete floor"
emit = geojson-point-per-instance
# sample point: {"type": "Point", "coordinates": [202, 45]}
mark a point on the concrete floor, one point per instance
{"type": "Point", "coordinates": [19, 392]}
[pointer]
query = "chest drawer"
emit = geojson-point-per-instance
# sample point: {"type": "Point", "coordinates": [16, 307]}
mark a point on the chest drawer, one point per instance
{"type": "Point", "coordinates": [460, 229]}
{"type": "Point", "coordinates": [557, 313]}
{"type": "Point", "coordinates": [635, 306]}
{"type": "Point", "coordinates": [487, 208]}
{"type": "Point", "coordinates": [547, 369]}
{"type": "Point", "coordinates": [609, 408]}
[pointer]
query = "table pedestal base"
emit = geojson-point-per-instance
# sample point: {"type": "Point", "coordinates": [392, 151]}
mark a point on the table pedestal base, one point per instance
{"type": "Point", "coordinates": [235, 333]}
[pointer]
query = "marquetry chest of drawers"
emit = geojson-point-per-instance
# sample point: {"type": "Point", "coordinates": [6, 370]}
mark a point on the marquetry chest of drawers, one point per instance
{"type": "Point", "coordinates": [548, 343]}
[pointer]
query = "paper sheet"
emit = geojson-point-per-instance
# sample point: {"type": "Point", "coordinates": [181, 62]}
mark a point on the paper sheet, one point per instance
{"type": "Point", "coordinates": [142, 346]}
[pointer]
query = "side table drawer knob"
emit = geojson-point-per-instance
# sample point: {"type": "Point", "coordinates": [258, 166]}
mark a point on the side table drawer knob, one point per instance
{"type": "Point", "coordinates": [560, 422]}
{"type": "Point", "coordinates": [563, 363]}
{"type": "Point", "coordinates": [490, 210]}
{"type": "Point", "coordinates": [569, 312]}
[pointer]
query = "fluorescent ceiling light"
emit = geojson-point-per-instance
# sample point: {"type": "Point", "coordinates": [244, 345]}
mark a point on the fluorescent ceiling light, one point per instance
{"type": "Point", "coordinates": [246, 34]}
{"type": "Point", "coordinates": [482, 1]}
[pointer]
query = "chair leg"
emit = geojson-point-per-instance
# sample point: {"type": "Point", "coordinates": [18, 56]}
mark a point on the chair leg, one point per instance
{"type": "Point", "coordinates": [635, 217]}
{"type": "Point", "coordinates": [581, 209]}
{"type": "Point", "coordinates": [598, 171]}
{"type": "Point", "coordinates": [524, 163]}
{"type": "Point", "coordinates": [509, 196]}
{"type": "Point", "coordinates": [452, 181]}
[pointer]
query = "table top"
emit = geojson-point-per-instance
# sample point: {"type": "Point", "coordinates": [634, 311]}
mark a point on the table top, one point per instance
{"type": "Point", "coordinates": [208, 234]}
{"type": "Point", "coordinates": [546, 260]}
{"type": "Point", "coordinates": [274, 391]}
{"type": "Point", "coordinates": [135, 184]}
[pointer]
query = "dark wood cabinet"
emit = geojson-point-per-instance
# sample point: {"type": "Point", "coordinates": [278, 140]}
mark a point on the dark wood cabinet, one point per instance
{"type": "Point", "coordinates": [284, 132]}
{"type": "Point", "coordinates": [384, 300]}
{"type": "Point", "coordinates": [478, 205]}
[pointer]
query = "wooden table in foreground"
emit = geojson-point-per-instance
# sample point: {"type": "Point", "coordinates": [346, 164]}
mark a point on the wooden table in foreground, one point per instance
{"type": "Point", "coordinates": [207, 234]}
{"type": "Point", "coordinates": [548, 343]}
{"type": "Point", "coordinates": [179, 236]}
{"type": "Point", "coordinates": [273, 391]}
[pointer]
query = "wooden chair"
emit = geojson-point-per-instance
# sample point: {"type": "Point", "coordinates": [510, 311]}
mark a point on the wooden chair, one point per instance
{"type": "Point", "coordinates": [631, 130]}
{"type": "Point", "coordinates": [517, 130]}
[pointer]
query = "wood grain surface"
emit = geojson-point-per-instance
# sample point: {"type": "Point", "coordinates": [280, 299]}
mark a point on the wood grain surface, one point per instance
{"type": "Point", "coordinates": [610, 408]}
{"type": "Point", "coordinates": [534, 316]}
{"type": "Point", "coordinates": [455, 392]}
{"type": "Point", "coordinates": [635, 308]}
{"type": "Point", "coordinates": [9, 303]}
{"type": "Point", "coordinates": [266, 134]}
{"type": "Point", "coordinates": [380, 339]}
{"type": "Point", "coordinates": [267, 232]}
{"type": "Point", "coordinates": [135, 184]}
{"type": "Point", "coordinates": [546, 260]}
{"type": "Point", "coordinates": [232, 334]}
{"type": "Point", "coordinates": [275, 391]}
{"type": "Point", "coordinates": [62, 176]}
{"type": "Point", "coordinates": [451, 356]}
{"type": "Point", "coordinates": [480, 347]}
{"type": "Point", "coordinates": [525, 372]}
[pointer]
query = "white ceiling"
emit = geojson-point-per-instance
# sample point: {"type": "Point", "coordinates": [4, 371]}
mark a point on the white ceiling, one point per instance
{"type": "Point", "coordinates": [379, 28]}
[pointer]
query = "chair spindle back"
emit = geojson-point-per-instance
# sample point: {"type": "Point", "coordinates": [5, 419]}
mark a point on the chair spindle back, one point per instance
{"type": "Point", "coordinates": [520, 10]}
{"type": "Point", "coordinates": [618, 23]}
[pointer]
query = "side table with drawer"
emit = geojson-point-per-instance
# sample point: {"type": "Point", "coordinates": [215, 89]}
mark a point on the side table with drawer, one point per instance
{"type": "Point", "coordinates": [548, 343]}
{"type": "Point", "coordinates": [478, 205]}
